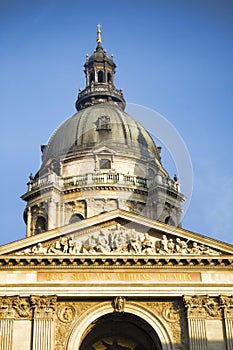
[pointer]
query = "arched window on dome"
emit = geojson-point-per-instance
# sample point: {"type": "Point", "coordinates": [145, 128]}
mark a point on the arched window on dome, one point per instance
{"type": "Point", "coordinates": [41, 225]}
{"type": "Point", "coordinates": [76, 218]}
{"type": "Point", "coordinates": [169, 221]}
{"type": "Point", "coordinates": [92, 77]}
{"type": "Point", "coordinates": [109, 78]}
{"type": "Point", "coordinates": [100, 76]}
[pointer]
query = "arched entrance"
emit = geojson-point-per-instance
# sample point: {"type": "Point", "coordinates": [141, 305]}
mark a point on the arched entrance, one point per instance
{"type": "Point", "coordinates": [120, 331]}
{"type": "Point", "coordinates": [100, 322]}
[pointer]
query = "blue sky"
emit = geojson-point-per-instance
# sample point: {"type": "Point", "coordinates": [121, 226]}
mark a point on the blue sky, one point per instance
{"type": "Point", "coordinates": [174, 57]}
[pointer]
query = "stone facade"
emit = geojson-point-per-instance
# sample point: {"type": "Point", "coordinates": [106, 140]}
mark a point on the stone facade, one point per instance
{"type": "Point", "coordinates": [106, 264]}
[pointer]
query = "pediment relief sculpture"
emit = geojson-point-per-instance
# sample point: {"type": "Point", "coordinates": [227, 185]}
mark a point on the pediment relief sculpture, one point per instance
{"type": "Point", "coordinates": [119, 240]}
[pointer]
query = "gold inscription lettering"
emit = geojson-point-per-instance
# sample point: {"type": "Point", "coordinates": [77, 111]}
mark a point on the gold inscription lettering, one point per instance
{"type": "Point", "coordinates": [54, 276]}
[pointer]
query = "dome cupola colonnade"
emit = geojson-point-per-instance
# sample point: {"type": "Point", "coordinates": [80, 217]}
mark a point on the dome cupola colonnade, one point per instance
{"type": "Point", "coordinates": [99, 160]}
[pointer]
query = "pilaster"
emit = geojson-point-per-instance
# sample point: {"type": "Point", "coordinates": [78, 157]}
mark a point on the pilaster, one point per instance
{"type": "Point", "coordinates": [196, 323]}
{"type": "Point", "coordinates": [227, 306]}
{"type": "Point", "coordinates": [43, 324]}
{"type": "Point", "coordinates": [6, 323]}
{"type": "Point", "coordinates": [29, 221]}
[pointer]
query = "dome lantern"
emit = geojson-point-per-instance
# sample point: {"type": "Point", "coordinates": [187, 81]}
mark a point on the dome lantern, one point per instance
{"type": "Point", "coordinates": [99, 70]}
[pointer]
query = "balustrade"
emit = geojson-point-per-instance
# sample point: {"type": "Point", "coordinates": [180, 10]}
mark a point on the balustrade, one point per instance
{"type": "Point", "coordinates": [86, 179]}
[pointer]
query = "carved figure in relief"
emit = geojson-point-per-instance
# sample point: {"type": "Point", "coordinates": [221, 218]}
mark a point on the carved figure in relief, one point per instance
{"type": "Point", "coordinates": [64, 244]}
{"type": "Point", "coordinates": [147, 244]}
{"type": "Point", "coordinates": [39, 249]}
{"type": "Point", "coordinates": [73, 246]}
{"type": "Point", "coordinates": [102, 243]}
{"type": "Point", "coordinates": [208, 251]}
{"type": "Point", "coordinates": [170, 246]}
{"type": "Point", "coordinates": [119, 240]}
{"type": "Point", "coordinates": [181, 246]}
{"type": "Point", "coordinates": [134, 244]}
{"type": "Point", "coordinates": [67, 314]}
{"type": "Point", "coordinates": [164, 245]}
{"type": "Point", "coordinates": [56, 248]}
{"type": "Point", "coordinates": [119, 304]}
{"type": "Point", "coordinates": [195, 249]}
{"type": "Point", "coordinates": [89, 245]}
{"type": "Point", "coordinates": [170, 314]}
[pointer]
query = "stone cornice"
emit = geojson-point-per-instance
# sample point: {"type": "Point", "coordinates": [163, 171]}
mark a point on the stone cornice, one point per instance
{"type": "Point", "coordinates": [8, 262]}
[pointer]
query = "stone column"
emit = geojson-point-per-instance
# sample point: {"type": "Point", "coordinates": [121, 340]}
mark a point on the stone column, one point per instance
{"type": "Point", "coordinates": [43, 324]}
{"type": "Point", "coordinates": [226, 302]}
{"type": "Point", "coordinates": [29, 221]}
{"type": "Point", "coordinates": [6, 323]}
{"type": "Point", "coordinates": [196, 323]}
{"type": "Point", "coordinates": [51, 214]}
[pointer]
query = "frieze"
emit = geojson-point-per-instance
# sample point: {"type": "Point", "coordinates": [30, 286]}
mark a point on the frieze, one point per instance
{"type": "Point", "coordinates": [119, 240]}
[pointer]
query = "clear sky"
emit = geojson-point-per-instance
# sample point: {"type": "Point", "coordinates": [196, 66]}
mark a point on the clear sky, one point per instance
{"type": "Point", "coordinates": [172, 56]}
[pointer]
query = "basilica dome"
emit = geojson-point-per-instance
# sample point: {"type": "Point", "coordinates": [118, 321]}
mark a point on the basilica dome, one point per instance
{"type": "Point", "coordinates": [98, 126]}
{"type": "Point", "coordinates": [99, 160]}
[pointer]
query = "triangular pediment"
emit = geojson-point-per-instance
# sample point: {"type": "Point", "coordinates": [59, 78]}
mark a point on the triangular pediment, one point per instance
{"type": "Point", "coordinates": [104, 150]}
{"type": "Point", "coordinates": [118, 233]}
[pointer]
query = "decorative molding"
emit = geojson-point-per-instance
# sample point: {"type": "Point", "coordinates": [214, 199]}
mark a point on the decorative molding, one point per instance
{"type": "Point", "coordinates": [111, 260]}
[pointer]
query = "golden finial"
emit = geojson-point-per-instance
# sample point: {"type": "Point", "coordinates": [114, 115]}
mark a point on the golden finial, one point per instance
{"type": "Point", "coordinates": [99, 40]}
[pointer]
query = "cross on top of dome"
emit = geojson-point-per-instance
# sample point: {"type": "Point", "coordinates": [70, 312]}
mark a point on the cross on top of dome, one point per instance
{"type": "Point", "coordinates": [99, 39]}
